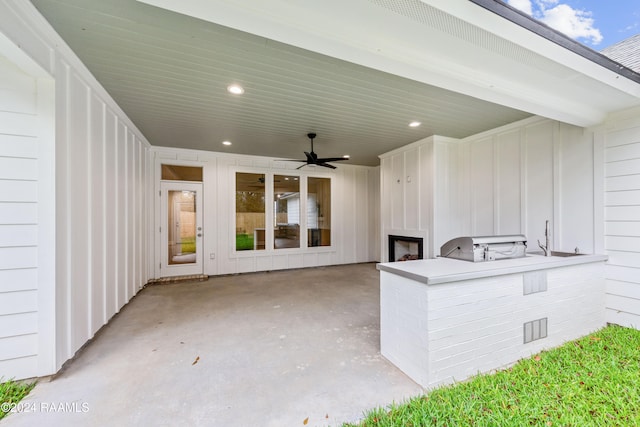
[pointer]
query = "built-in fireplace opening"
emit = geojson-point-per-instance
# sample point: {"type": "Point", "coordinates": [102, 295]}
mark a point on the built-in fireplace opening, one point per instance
{"type": "Point", "coordinates": [405, 248]}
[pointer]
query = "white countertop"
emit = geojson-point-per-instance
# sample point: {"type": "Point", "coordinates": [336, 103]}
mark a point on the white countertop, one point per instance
{"type": "Point", "coordinates": [444, 270]}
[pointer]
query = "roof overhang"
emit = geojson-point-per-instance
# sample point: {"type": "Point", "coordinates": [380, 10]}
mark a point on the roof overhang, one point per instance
{"type": "Point", "coordinates": [458, 45]}
{"type": "Point", "coordinates": [522, 19]}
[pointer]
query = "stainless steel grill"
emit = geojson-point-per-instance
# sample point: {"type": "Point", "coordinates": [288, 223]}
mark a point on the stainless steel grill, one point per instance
{"type": "Point", "coordinates": [485, 248]}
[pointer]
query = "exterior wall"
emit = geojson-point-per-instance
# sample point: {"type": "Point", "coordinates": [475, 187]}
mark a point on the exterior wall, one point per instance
{"type": "Point", "coordinates": [450, 219]}
{"type": "Point", "coordinates": [412, 178]}
{"type": "Point", "coordinates": [528, 172]}
{"type": "Point", "coordinates": [508, 180]}
{"type": "Point", "coordinates": [621, 138]}
{"type": "Point", "coordinates": [98, 177]}
{"type": "Point", "coordinates": [26, 184]}
{"type": "Point", "coordinates": [353, 205]}
{"type": "Point", "coordinates": [102, 211]}
{"type": "Point", "coordinates": [374, 215]}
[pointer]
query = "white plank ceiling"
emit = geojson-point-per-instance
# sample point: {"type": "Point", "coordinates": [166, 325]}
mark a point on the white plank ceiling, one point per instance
{"type": "Point", "coordinates": [169, 73]}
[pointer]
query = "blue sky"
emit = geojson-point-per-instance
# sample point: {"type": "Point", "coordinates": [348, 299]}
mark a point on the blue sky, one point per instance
{"type": "Point", "coordinates": [594, 23]}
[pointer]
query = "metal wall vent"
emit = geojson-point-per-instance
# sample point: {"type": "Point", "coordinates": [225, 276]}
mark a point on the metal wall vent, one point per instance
{"type": "Point", "coordinates": [534, 282]}
{"type": "Point", "coordinates": [535, 330]}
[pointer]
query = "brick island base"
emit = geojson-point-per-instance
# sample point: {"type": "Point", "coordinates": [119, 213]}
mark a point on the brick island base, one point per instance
{"type": "Point", "coordinates": [444, 320]}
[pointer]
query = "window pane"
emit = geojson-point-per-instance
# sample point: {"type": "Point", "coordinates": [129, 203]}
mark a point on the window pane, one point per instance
{"type": "Point", "coordinates": [181, 173]}
{"type": "Point", "coordinates": [319, 211]}
{"type": "Point", "coordinates": [250, 211]}
{"type": "Point", "coordinates": [286, 205]}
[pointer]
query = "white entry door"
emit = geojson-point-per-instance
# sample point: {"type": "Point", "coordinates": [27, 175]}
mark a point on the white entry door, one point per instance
{"type": "Point", "coordinates": [181, 231]}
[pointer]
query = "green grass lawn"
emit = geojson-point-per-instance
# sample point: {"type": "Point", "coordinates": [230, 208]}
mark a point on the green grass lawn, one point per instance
{"type": "Point", "coordinates": [11, 392]}
{"type": "Point", "coordinates": [594, 381]}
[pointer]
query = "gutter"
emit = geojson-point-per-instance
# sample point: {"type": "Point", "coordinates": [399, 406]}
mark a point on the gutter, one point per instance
{"type": "Point", "coordinates": [525, 21]}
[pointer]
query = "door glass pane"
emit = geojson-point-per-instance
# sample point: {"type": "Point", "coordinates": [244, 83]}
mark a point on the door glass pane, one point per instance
{"type": "Point", "coordinates": [250, 211]}
{"type": "Point", "coordinates": [286, 206]}
{"type": "Point", "coordinates": [181, 227]}
{"type": "Point", "coordinates": [319, 212]}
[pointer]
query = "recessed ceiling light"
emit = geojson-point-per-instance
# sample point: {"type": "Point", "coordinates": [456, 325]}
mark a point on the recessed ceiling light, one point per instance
{"type": "Point", "coordinates": [235, 89]}
{"type": "Point", "coordinates": [346, 156]}
{"type": "Point", "coordinates": [226, 142]}
{"type": "Point", "coordinates": [414, 124]}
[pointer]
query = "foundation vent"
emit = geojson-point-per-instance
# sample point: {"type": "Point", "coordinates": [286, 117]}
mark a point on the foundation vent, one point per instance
{"type": "Point", "coordinates": [534, 282]}
{"type": "Point", "coordinates": [535, 330]}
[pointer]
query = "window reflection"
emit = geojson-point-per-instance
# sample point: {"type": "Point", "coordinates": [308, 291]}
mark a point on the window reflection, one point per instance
{"type": "Point", "coordinates": [319, 211]}
{"type": "Point", "coordinates": [250, 211]}
{"type": "Point", "coordinates": [286, 205]}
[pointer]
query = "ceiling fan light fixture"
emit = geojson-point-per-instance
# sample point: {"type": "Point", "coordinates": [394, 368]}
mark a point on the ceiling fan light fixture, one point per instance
{"type": "Point", "coordinates": [235, 89]}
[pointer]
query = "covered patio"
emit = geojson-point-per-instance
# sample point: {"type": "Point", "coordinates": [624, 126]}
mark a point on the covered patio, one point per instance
{"type": "Point", "coordinates": [517, 128]}
{"type": "Point", "coordinates": [260, 349]}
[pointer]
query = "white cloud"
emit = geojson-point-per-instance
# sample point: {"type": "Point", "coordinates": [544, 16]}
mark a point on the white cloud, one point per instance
{"type": "Point", "coordinates": [575, 23]}
{"type": "Point", "coordinates": [547, 3]}
{"type": "Point", "coordinates": [523, 5]}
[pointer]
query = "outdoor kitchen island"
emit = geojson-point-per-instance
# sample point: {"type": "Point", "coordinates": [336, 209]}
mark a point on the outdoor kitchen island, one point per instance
{"type": "Point", "coordinates": [443, 320]}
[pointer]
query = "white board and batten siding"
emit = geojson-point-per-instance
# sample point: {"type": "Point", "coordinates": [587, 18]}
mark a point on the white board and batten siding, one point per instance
{"type": "Point", "coordinates": [508, 180]}
{"type": "Point", "coordinates": [85, 198]}
{"type": "Point", "coordinates": [101, 211]}
{"type": "Point", "coordinates": [418, 193]}
{"type": "Point", "coordinates": [528, 172]}
{"type": "Point", "coordinates": [622, 217]}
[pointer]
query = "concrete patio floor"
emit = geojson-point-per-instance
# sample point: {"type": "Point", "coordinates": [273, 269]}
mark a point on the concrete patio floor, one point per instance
{"type": "Point", "coordinates": [263, 349]}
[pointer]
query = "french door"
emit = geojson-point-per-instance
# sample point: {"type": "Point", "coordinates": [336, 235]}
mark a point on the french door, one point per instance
{"type": "Point", "coordinates": [181, 231]}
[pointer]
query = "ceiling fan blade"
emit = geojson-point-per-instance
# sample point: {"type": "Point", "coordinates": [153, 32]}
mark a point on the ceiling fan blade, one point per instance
{"type": "Point", "coordinates": [331, 159]}
{"type": "Point", "coordinates": [312, 158]}
{"type": "Point", "coordinates": [326, 165]}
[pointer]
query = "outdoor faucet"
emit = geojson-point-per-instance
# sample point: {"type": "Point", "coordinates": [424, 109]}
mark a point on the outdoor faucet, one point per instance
{"type": "Point", "coordinates": [545, 248]}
